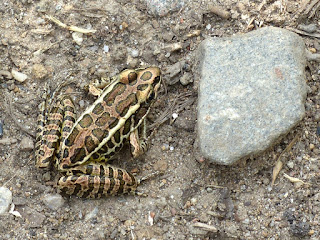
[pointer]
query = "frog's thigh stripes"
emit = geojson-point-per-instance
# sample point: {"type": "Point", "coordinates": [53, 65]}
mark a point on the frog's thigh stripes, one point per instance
{"type": "Point", "coordinates": [104, 180]}
{"type": "Point", "coordinates": [53, 128]}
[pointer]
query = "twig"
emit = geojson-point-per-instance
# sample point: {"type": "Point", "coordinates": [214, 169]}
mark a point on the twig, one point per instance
{"type": "Point", "coordinates": [316, 35]}
{"type": "Point", "coordinates": [278, 165]}
{"type": "Point", "coordinates": [71, 27]}
{"type": "Point", "coordinates": [308, 9]}
{"type": "Point", "coordinates": [219, 12]}
{"type": "Point", "coordinates": [206, 227]}
{"type": "Point", "coordinates": [314, 10]}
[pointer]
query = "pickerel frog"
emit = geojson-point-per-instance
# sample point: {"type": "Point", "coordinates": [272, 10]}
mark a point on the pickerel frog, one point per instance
{"type": "Point", "coordinates": [80, 148]}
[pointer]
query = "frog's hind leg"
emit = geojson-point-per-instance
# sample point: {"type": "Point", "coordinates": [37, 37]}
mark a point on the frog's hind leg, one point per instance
{"type": "Point", "coordinates": [96, 180]}
{"type": "Point", "coordinates": [53, 127]}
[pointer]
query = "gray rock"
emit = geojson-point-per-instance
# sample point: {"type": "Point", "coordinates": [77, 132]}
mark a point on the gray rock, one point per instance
{"type": "Point", "coordinates": [163, 7]}
{"type": "Point", "coordinates": [53, 201]}
{"type": "Point", "coordinates": [252, 91]}
{"type": "Point", "coordinates": [5, 199]}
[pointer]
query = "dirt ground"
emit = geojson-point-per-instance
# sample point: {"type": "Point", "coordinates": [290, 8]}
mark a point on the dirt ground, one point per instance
{"type": "Point", "coordinates": [192, 199]}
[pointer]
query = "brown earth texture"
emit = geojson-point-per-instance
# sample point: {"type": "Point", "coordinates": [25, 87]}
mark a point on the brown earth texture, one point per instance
{"type": "Point", "coordinates": [192, 199]}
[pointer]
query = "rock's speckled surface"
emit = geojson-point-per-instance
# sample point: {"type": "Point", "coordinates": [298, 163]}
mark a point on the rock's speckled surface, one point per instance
{"type": "Point", "coordinates": [252, 91]}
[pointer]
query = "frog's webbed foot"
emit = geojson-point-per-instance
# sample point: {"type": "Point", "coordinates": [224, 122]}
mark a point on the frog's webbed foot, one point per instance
{"type": "Point", "coordinates": [146, 178]}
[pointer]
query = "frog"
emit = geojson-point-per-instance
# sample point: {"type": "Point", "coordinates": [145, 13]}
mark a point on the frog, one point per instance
{"type": "Point", "coordinates": [80, 148]}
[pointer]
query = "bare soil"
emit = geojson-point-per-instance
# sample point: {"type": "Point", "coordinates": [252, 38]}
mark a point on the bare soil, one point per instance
{"type": "Point", "coordinates": [231, 202]}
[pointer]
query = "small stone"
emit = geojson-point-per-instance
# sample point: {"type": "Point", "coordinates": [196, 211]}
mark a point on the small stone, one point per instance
{"type": "Point", "coordinates": [290, 164]}
{"type": "Point", "coordinates": [20, 77]}
{"type": "Point", "coordinates": [209, 190]}
{"type": "Point", "coordinates": [53, 201]}
{"type": "Point", "coordinates": [39, 71]}
{"type": "Point", "coordinates": [134, 53]}
{"type": "Point", "coordinates": [5, 199]}
{"type": "Point", "coordinates": [317, 117]}
{"type": "Point", "coordinates": [173, 47]}
{"type": "Point", "coordinates": [173, 71]}
{"type": "Point", "coordinates": [6, 74]}
{"type": "Point", "coordinates": [265, 181]}
{"type": "Point", "coordinates": [92, 214]}
{"type": "Point", "coordinates": [246, 221]}
{"type": "Point", "coordinates": [77, 37]}
{"type": "Point", "coordinates": [165, 147]}
{"type": "Point", "coordinates": [193, 201]}
{"type": "Point", "coordinates": [106, 48]}
{"type": "Point", "coordinates": [300, 229]}
{"type": "Point", "coordinates": [186, 79]}
{"type": "Point", "coordinates": [161, 8]}
{"type": "Point", "coordinates": [133, 62]}
{"type": "Point", "coordinates": [311, 146]}
{"type": "Point", "coordinates": [161, 165]}
{"type": "Point", "coordinates": [26, 144]}
{"type": "Point", "coordinates": [81, 103]}
{"type": "Point", "coordinates": [161, 202]}
{"type": "Point", "coordinates": [19, 201]}
{"type": "Point", "coordinates": [310, 28]}
{"type": "Point", "coordinates": [46, 177]}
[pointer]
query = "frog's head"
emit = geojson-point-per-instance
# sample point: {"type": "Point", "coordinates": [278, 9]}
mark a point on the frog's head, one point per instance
{"type": "Point", "coordinates": [148, 84]}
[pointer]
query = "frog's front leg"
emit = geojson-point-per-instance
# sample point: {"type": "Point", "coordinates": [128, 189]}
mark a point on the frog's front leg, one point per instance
{"type": "Point", "coordinates": [96, 87]}
{"type": "Point", "coordinates": [137, 142]}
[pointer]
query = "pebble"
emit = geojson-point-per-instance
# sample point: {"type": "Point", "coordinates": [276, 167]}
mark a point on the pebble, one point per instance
{"type": "Point", "coordinates": [106, 48]}
{"type": "Point", "coordinates": [6, 74]}
{"type": "Point", "coordinates": [5, 199]}
{"type": "Point", "coordinates": [310, 28]}
{"type": "Point", "coordinates": [92, 214]}
{"type": "Point", "coordinates": [19, 201]}
{"type": "Point", "coordinates": [165, 147]}
{"type": "Point", "coordinates": [311, 146]}
{"type": "Point", "coordinates": [173, 71]}
{"type": "Point", "coordinates": [317, 117]}
{"type": "Point", "coordinates": [26, 144]}
{"type": "Point", "coordinates": [290, 164]}
{"type": "Point", "coordinates": [39, 71]}
{"type": "Point", "coordinates": [161, 165]}
{"type": "Point", "coordinates": [53, 201]}
{"type": "Point", "coordinates": [186, 79]}
{"type": "Point", "coordinates": [20, 77]}
{"type": "Point", "coordinates": [77, 37]}
{"type": "Point", "coordinates": [46, 176]}
{"type": "Point", "coordinates": [134, 53]}
{"type": "Point", "coordinates": [161, 8]}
